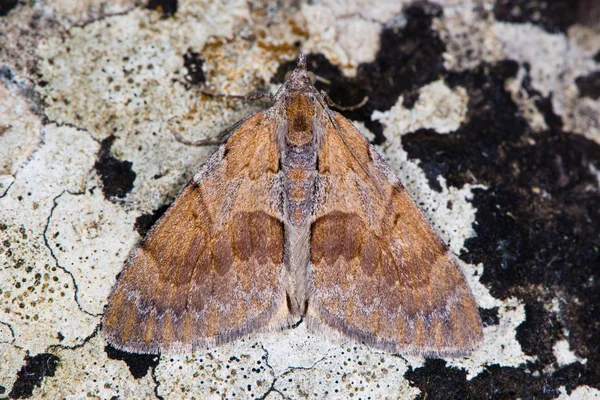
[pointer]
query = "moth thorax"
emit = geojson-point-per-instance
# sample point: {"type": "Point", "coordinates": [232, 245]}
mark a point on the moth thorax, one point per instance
{"type": "Point", "coordinates": [299, 113]}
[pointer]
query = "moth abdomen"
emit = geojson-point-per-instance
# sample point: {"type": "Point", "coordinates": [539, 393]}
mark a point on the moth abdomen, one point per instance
{"type": "Point", "coordinates": [299, 174]}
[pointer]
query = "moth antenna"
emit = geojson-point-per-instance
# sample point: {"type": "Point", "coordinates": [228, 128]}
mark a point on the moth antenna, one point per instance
{"type": "Point", "coordinates": [301, 61]}
{"type": "Point", "coordinates": [333, 104]}
{"type": "Point", "coordinates": [220, 139]}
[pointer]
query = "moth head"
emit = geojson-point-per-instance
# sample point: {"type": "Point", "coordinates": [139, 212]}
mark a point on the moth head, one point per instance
{"type": "Point", "coordinates": [300, 77]}
{"type": "Point", "coordinates": [312, 77]}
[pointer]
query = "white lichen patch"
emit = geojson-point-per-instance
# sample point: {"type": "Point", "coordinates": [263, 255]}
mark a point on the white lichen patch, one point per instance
{"type": "Point", "coordinates": [348, 371]}
{"type": "Point", "coordinates": [124, 76]}
{"type": "Point", "coordinates": [579, 113]}
{"type": "Point", "coordinates": [296, 348]}
{"type": "Point", "coordinates": [555, 61]}
{"type": "Point", "coordinates": [87, 371]}
{"type": "Point", "coordinates": [580, 393]}
{"type": "Point", "coordinates": [20, 130]}
{"type": "Point", "coordinates": [347, 33]}
{"type": "Point", "coordinates": [439, 108]}
{"type": "Point", "coordinates": [121, 67]}
{"type": "Point", "coordinates": [12, 359]}
{"type": "Point", "coordinates": [82, 11]}
{"type": "Point", "coordinates": [292, 364]}
{"type": "Point", "coordinates": [500, 345]}
{"type": "Point", "coordinates": [465, 29]}
{"type": "Point", "coordinates": [91, 238]}
{"type": "Point", "coordinates": [542, 51]}
{"type": "Point", "coordinates": [37, 295]}
{"type": "Point", "coordinates": [564, 355]}
{"type": "Point", "coordinates": [527, 107]}
{"type": "Point", "coordinates": [29, 22]}
{"type": "Point", "coordinates": [235, 370]}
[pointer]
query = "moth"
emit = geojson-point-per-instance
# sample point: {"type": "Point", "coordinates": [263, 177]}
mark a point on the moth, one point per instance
{"type": "Point", "coordinates": [294, 217]}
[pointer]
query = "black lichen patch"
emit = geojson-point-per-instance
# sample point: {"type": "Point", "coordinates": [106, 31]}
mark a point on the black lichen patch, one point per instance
{"type": "Point", "coordinates": [117, 176]}
{"type": "Point", "coordinates": [436, 381]}
{"type": "Point", "coordinates": [139, 364]}
{"type": "Point", "coordinates": [539, 323]}
{"type": "Point", "coordinates": [538, 223]}
{"type": "Point", "coordinates": [589, 85]}
{"type": "Point", "coordinates": [6, 6]}
{"type": "Point", "coordinates": [489, 316]}
{"type": "Point", "coordinates": [167, 7]}
{"type": "Point", "coordinates": [144, 222]}
{"type": "Point", "coordinates": [193, 63]}
{"type": "Point", "coordinates": [410, 57]}
{"type": "Point", "coordinates": [512, 383]}
{"type": "Point", "coordinates": [447, 155]}
{"type": "Point", "coordinates": [32, 374]}
{"type": "Point", "coordinates": [552, 15]}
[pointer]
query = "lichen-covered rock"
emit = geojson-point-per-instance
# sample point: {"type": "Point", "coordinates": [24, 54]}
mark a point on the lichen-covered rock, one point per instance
{"type": "Point", "coordinates": [488, 111]}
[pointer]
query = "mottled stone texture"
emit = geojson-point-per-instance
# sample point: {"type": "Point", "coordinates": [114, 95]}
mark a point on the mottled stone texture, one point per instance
{"type": "Point", "coordinates": [511, 181]}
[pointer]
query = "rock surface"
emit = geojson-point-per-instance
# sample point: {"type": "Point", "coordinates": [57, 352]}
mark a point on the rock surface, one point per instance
{"type": "Point", "coordinates": [489, 111]}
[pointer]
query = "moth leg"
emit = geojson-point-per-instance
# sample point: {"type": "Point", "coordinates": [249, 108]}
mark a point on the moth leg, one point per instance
{"type": "Point", "coordinates": [219, 139]}
{"type": "Point", "coordinates": [224, 135]}
{"type": "Point", "coordinates": [333, 104]}
{"type": "Point", "coordinates": [201, 142]}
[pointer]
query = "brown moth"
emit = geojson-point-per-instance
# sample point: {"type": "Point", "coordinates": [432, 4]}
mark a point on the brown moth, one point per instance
{"type": "Point", "coordinates": [294, 217]}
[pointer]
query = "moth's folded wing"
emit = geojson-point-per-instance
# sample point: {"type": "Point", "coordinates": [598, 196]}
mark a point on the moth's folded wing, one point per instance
{"type": "Point", "coordinates": [380, 273]}
{"type": "Point", "coordinates": [209, 271]}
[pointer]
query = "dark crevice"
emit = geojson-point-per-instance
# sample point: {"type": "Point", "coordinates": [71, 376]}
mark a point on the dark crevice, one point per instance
{"type": "Point", "coordinates": [55, 258]}
{"type": "Point", "coordinates": [117, 176]}
{"type": "Point", "coordinates": [156, 384]}
{"type": "Point", "coordinates": [32, 374]}
{"type": "Point", "coordinates": [139, 364]}
{"type": "Point", "coordinates": [589, 85]}
{"type": "Point", "coordinates": [166, 7]}
{"type": "Point", "coordinates": [12, 333]}
{"type": "Point", "coordinates": [144, 222]}
{"type": "Point", "coordinates": [27, 90]}
{"type": "Point", "coordinates": [85, 340]}
{"type": "Point", "coordinates": [193, 63]}
{"type": "Point", "coordinates": [7, 6]}
{"type": "Point", "coordinates": [489, 316]}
